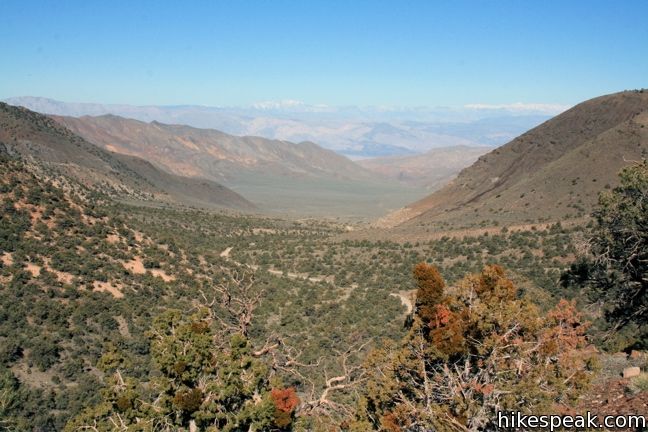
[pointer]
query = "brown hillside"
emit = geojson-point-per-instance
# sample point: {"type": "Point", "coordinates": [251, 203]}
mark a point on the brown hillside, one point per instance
{"type": "Point", "coordinates": [554, 171]}
{"type": "Point", "coordinates": [210, 153]}
{"type": "Point", "coordinates": [430, 170]}
{"type": "Point", "coordinates": [49, 145]}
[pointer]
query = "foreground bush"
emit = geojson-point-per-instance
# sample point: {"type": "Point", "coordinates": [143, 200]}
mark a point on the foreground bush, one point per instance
{"type": "Point", "coordinates": [473, 353]}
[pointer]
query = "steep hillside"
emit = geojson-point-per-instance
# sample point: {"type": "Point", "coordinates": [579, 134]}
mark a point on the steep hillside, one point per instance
{"type": "Point", "coordinates": [47, 144]}
{"type": "Point", "coordinates": [278, 175]}
{"type": "Point", "coordinates": [430, 170]}
{"type": "Point", "coordinates": [555, 171]}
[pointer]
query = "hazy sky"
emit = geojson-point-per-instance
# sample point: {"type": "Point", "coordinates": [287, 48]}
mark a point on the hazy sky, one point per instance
{"type": "Point", "coordinates": [346, 52]}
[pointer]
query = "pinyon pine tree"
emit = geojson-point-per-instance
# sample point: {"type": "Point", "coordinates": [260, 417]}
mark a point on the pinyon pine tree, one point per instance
{"type": "Point", "coordinates": [205, 383]}
{"type": "Point", "coordinates": [475, 352]}
{"type": "Point", "coordinates": [615, 269]}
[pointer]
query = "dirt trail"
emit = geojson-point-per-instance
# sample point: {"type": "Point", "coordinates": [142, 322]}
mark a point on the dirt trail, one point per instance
{"type": "Point", "coordinates": [290, 275]}
{"type": "Point", "coordinates": [108, 287]}
{"type": "Point", "coordinates": [416, 235]}
{"type": "Point", "coordinates": [34, 269]}
{"type": "Point", "coordinates": [7, 258]}
{"type": "Point", "coordinates": [404, 296]}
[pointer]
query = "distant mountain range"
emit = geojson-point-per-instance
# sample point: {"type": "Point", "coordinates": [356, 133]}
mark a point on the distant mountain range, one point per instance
{"type": "Point", "coordinates": [352, 131]}
{"type": "Point", "coordinates": [62, 155]}
{"type": "Point", "coordinates": [430, 170]}
{"type": "Point", "coordinates": [552, 172]}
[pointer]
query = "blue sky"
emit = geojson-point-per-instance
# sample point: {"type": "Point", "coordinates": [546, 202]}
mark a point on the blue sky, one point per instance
{"type": "Point", "coordinates": [391, 53]}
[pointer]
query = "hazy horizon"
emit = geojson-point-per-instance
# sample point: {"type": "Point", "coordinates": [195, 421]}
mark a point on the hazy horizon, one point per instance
{"type": "Point", "coordinates": [357, 132]}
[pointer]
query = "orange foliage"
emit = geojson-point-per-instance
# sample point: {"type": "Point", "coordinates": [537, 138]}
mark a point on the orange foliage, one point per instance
{"type": "Point", "coordinates": [480, 337]}
{"type": "Point", "coordinates": [443, 327]}
{"type": "Point", "coordinates": [566, 332]}
{"type": "Point", "coordinates": [442, 315]}
{"type": "Point", "coordinates": [429, 290]}
{"type": "Point", "coordinates": [487, 389]}
{"type": "Point", "coordinates": [389, 422]}
{"type": "Point", "coordinates": [494, 284]}
{"type": "Point", "coordinates": [447, 332]}
{"type": "Point", "coordinates": [285, 400]}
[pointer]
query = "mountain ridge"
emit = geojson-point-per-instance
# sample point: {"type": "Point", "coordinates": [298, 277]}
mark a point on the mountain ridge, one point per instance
{"type": "Point", "coordinates": [351, 131]}
{"type": "Point", "coordinates": [535, 175]}
{"type": "Point", "coordinates": [50, 145]}
{"type": "Point", "coordinates": [132, 136]}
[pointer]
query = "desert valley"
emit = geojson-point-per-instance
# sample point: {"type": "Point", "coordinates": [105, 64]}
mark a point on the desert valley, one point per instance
{"type": "Point", "coordinates": [316, 216]}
